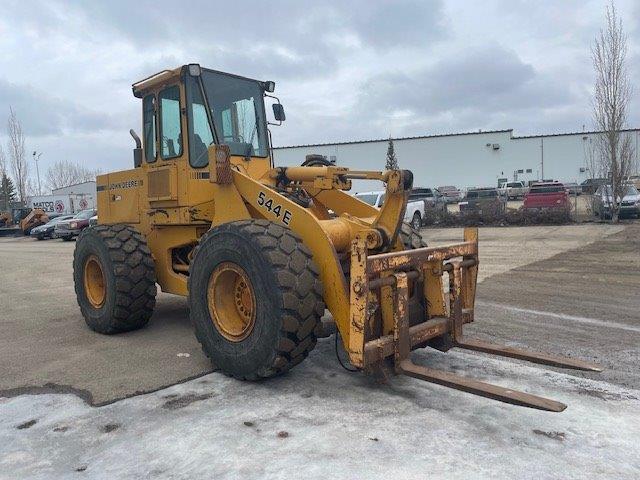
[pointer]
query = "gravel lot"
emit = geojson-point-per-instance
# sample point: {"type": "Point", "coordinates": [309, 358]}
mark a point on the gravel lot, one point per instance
{"type": "Point", "coordinates": [570, 290]}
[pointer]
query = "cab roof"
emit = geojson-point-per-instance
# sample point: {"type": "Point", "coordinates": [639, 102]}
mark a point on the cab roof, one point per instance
{"type": "Point", "coordinates": [157, 79]}
{"type": "Point", "coordinates": [163, 77]}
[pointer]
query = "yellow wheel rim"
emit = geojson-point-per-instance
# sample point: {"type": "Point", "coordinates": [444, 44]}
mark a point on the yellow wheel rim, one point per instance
{"type": "Point", "coordinates": [231, 301]}
{"type": "Point", "coordinates": [94, 284]}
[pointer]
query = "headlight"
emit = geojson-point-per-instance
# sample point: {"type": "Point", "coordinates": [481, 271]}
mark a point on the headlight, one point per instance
{"type": "Point", "coordinates": [73, 224]}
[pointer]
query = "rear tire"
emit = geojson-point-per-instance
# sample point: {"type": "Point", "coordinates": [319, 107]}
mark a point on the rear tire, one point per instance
{"type": "Point", "coordinates": [114, 277]}
{"type": "Point", "coordinates": [280, 326]}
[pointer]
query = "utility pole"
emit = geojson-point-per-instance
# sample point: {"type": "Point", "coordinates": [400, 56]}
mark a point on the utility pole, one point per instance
{"type": "Point", "coordinates": [35, 159]}
{"type": "Point", "coordinates": [542, 158]}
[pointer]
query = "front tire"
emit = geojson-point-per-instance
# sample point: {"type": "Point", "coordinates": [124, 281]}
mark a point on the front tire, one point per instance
{"type": "Point", "coordinates": [114, 278]}
{"type": "Point", "coordinates": [255, 298]}
{"type": "Point", "coordinates": [416, 221]}
{"type": "Point", "coordinates": [410, 237]}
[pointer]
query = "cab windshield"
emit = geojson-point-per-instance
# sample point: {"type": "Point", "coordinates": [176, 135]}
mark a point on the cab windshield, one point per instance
{"type": "Point", "coordinates": [238, 115]}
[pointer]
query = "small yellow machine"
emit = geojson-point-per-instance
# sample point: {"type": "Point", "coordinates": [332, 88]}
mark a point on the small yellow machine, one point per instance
{"type": "Point", "coordinates": [34, 218]}
{"type": "Point", "coordinates": [261, 251]}
{"type": "Point", "coordinates": [6, 219]}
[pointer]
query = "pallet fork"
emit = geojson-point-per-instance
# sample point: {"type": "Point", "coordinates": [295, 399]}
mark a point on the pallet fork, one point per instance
{"type": "Point", "coordinates": [400, 276]}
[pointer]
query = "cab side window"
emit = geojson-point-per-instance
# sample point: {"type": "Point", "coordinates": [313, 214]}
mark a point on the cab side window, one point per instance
{"type": "Point", "coordinates": [170, 128]}
{"type": "Point", "coordinates": [149, 127]}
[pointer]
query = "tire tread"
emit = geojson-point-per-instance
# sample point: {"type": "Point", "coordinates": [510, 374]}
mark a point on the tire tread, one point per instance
{"type": "Point", "coordinates": [298, 281]}
{"type": "Point", "coordinates": [135, 279]}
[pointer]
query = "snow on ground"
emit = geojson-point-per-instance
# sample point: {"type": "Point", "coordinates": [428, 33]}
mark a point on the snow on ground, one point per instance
{"type": "Point", "coordinates": [320, 421]}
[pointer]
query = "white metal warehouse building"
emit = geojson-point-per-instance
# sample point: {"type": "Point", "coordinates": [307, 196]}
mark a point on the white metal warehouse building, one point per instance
{"type": "Point", "coordinates": [464, 159]}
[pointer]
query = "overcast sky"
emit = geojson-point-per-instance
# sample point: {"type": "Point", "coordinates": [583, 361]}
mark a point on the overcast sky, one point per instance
{"type": "Point", "coordinates": [344, 70]}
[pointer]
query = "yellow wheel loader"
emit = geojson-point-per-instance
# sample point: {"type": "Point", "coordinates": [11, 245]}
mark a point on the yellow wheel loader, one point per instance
{"type": "Point", "coordinates": [262, 252]}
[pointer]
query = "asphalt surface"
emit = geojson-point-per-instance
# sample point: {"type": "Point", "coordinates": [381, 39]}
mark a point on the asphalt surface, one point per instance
{"type": "Point", "coordinates": [46, 347]}
{"type": "Point", "coordinates": [583, 303]}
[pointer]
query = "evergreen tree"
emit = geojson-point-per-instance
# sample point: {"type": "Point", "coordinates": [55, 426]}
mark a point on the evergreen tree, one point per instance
{"type": "Point", "coordinates": [7, 193]}
{"type": "Point", "coordinates": [392, 161]}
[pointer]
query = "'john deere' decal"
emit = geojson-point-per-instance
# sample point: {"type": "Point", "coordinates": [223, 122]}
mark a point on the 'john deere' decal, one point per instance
{"type": "Point", "coordinates": [125, 184]}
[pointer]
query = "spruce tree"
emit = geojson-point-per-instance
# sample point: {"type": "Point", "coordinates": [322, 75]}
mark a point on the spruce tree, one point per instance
{"type": "Point", "coordinates": [392, 161]}
{"type": "Point", "coordinates": [7, 193]}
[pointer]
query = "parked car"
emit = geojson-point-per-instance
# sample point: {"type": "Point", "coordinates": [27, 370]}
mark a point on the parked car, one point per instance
{"type": "Point", "coordinates": [590, 185]}
{"type": "Point", "coordinates": [635, 181]}
{"type": "Point", "coordinates": [450, 193]}
{"type": "Point", "coordinates": [514, 190]}
{"type": "Point", "coordinates": [48, 229]}
{"type": "Point", "coordinates": [603, 201]}
{"type": "Point", "coordinates": [432, 198]}
{"type": "Point", "coordinates": [413, 215]}
{"type": "Point", "coordinates": [483, 201]}
{"type": "Point", "coordinates": [547, 195]}
{"type": "Point", "coordinates": [573, 188]}
{"type": "Point", "coordinates": [68, 229]}
{"type": "Point", "coordinates": [93, 221]}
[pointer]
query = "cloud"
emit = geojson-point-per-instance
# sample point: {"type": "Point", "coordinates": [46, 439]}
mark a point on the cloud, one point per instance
{"type": "Point", "coordinates": [345, 69]}
{"type": "Point", "coordinates": [43, 114]}
{"type": "Point", "coordinates": [474, 86]}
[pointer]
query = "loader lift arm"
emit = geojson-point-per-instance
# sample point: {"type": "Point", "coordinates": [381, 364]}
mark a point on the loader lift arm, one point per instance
{"type": "Point", "coordinates": [381, 271]}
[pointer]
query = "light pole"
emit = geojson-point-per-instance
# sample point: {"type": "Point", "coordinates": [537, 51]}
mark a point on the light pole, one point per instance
{"type": "Point", "coordinates": [542, 158]}
{"type": "Point", "coordinates": [36, 157]}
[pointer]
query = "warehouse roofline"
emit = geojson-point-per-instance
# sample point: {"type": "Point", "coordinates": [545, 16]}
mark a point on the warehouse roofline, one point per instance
{"type": "Point", "coordinates": [394, 139]}
{"type": "Point", "coordinates": [419, 137]}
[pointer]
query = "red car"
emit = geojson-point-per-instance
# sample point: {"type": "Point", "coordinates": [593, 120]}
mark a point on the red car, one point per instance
{"type": "Point", "coordinates": [547, 195]}
{"type": "Point", "coordinates": [68, 229]}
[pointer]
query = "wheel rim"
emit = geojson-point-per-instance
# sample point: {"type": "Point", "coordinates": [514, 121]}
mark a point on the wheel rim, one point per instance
{"type": "Point", "coordinates": [94, 284]}
{"type": "Point", "coordinates": [231, 301]}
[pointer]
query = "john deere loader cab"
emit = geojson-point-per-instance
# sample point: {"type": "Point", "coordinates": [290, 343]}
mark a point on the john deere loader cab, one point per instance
{"type": "Point", "coordinates": [260, 251]}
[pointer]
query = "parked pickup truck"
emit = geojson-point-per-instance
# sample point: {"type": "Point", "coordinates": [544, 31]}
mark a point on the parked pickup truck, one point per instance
{"type": "Point", "coordinates": [413, 214]}
{"type": "Point", "coordinates": [450, 193]}
{"type": "Point", "coordinates": [514, 190]}
{"type": "Point", "coordinates": [68, 229]}
{"type": "Point", "coordinates": [483, 201]}
{"type": "Point", "coordinates": [547, 195]}
{"type": "Point", "coordinates": [432, 198]}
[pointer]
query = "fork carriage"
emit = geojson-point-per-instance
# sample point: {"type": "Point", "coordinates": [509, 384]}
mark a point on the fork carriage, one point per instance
{"type": "Point", "coordinates": [436, 319]}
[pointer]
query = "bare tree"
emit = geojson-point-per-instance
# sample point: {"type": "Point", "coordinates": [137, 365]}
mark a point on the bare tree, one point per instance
{"type": "Point", "coordinates": [17, 157]}
{"type": "Point", "coordinates": [64, 173]}
{"type": "Point", "coordinates": [614, 152]}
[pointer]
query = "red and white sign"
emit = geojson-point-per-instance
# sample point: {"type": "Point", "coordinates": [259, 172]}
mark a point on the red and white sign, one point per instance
{"type": "Point", "coordinates": [59, 206]}
{"type": "Point", "coordinates": [84, 204]}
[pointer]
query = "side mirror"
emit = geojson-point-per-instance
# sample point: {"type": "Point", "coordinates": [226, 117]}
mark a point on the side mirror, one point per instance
{"type": "Point", "coordinates": [278, 112]}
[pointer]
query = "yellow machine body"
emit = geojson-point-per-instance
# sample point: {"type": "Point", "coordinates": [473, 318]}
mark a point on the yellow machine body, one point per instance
{"type": "Point", "coordinates": [385, 300]}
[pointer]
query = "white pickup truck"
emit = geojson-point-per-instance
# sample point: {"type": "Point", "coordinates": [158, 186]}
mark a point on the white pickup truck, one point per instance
{"type": "Point", "coordinates": [413, 215]}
